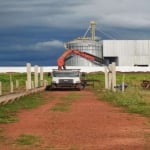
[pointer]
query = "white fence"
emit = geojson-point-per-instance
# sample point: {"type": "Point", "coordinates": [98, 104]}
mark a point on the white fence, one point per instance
{"type": "Point", "coordinates": [11, 96]}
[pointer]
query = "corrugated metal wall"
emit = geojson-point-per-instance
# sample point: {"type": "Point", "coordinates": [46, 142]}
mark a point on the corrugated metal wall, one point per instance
{"type": "Point", "coordinates": [129, 52]}
{"type": "Point", "coordinates": [89, 46]}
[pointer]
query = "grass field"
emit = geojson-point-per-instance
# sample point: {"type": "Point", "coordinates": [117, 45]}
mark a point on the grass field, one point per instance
{"type": "Point", "coordinates": [9, 111]}
{"type": "Point", "coordinates": [21, 77]}
{"type": "Point", "coordinates": [66, 102]}
{"type": "Point", "coordinates": [5, 80]}
{"type": "Point", "coordinates": [134, 99]}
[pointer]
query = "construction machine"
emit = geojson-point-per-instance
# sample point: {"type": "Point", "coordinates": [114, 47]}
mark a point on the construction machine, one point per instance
{"type": "Point", "coordinates": [71, 78]}
{"type": "Point", "coordinates": [68, 52]}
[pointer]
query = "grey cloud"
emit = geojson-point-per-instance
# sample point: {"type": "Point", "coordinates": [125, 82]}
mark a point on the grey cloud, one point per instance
{"type": "Point", "coordinates": [75, 14]}
{"type": "Point", "coordinates": [16, 12]}
{"type": "Point", "coordinates": [124, 13]}
{"type": "Point", "coordinates": [44, 46]}
{"type": "Point", "coordinates": [54, 43]}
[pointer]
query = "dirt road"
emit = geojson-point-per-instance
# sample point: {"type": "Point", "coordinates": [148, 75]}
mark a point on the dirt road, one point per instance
{"type": "Point", "coordinates": [88, 124]}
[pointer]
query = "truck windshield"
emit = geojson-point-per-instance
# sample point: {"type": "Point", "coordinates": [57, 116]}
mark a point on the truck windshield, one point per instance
{"type": "Point", "coordinates": [65, 74]}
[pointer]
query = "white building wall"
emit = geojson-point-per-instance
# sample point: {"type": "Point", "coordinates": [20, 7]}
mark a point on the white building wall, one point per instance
{"type": "Point", "coordinates": [129, 52]}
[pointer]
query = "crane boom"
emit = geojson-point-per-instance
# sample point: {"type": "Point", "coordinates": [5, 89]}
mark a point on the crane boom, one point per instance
{"type": "Point", "coordinates": [90, 57]}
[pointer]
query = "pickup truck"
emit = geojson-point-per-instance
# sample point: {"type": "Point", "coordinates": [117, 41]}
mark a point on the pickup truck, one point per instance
{"type": "Point", "coordinates": [67, 79]}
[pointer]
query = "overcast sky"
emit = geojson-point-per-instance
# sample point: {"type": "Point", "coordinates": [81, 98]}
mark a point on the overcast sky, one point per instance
{"type": "Point", "coordinates": [35, 30]}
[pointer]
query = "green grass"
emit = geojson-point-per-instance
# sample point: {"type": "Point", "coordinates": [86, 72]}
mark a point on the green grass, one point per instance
{"type": "Point", "coordinates": [99, 76]}
{"type": "Point", "coordinates": [134, 100]}
{"type": "Point", "coordinates": [5, 79]}
{"type": "Point", "coordinates": [21, 77]}
{"type": "Point", "coordinates": [71, 97]}
{"type": "Point", "coordinates": [61, 107]}
{"type": "Point", "coordinates": [8, 112]}
{"type": "Point", "coordinates": [27, 139]}
{"type": "Point", "coordinates": [66, 102]}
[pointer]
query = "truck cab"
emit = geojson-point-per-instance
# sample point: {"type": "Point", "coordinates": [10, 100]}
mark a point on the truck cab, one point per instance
{"type": "Point", "coordinates": [70, 78]}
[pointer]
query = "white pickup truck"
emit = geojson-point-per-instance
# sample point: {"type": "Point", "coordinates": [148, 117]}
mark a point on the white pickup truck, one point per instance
{"type": "Point", "coordinates": [67, 79]}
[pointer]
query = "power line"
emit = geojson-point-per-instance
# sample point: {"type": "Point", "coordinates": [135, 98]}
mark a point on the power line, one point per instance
{"type": "Point", "coordinates": [86, 32]}
{"type": "Point", "coordinates": [106, 34]}
{"type": "Point", "coordinates": [117, 33]}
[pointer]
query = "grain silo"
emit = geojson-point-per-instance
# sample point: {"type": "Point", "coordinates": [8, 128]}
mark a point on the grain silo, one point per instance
{"type": "Point", "coordinates": [89, 44]}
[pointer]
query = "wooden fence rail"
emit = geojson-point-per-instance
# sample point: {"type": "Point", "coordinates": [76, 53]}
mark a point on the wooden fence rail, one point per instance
{"type": "Point", "coordinates": [12, 97]}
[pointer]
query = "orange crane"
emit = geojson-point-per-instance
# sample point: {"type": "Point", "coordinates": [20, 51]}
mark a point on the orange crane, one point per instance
{"type": "Point", "coordinates": [90, 57]}
{"type": "Point", "coordinates": [71, 78]}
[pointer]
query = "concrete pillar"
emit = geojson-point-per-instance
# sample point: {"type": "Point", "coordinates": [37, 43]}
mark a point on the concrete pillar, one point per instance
{"type": "Point", "coordinates": [106, 78]}
{"type": "Point", "coordinates": [0, 88]}
{"type": "Point", "coordinates": [41, 76]}
{"type": "Point", "coordinates": [36, 76]}
{"type": "Point", "coordinates": [110, 77]}
{"type": "Point", "coordinates": [110, 81]}
{"type": "Point", "coordinates": [17, 84]}
{"type": "Point", "coordinates": [11, 87]}
{"type": "Point", "coordinates": [123, 83]}
{"type": "Point", "coordinates": [11, 84]}
{"type": "Point", "coordinates": [28, 83]}
{"type": "Point", "coordinates": [113, 77]}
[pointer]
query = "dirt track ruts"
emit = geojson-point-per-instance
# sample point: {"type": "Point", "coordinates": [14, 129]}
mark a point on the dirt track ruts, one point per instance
{"type": "Point", "coordinates": [90, 124]}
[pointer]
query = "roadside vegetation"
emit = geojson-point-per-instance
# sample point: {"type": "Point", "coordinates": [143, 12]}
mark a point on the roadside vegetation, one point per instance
{"type": "Point", "coordinates": [5, 80]}
{"type": "Point", "coordinates": [66, 102]}
{"type": "Point", "coordinates": [21, 77]}
{"type": "Point", "coordinates": [8, 112]}
{"type": "Point", "coordinates": [28, 139]}
{"type": "Point", "coordinates": [135, 99]}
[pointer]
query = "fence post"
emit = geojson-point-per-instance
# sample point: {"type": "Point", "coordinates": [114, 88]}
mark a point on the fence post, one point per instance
{"type": "Point", "coordinates": [0, 88]}
{"type": "Point", "coordinates": [28, 82]}
{"type": "Point", "coordinates": [11, 84]}
{"type": "Point", "coordinates": [36, 76]}
{"type": "Point", "coordinates": [110, 77]}
{"type": "Point", "coordinates": [123, 83]}
{"type": "Point", "coordinates": [11, 87]}
{"type": "Point", "coordinates": [41, 76]}
{"type": "Point", "coordinates": [106, 78]}
{"type": "Point", "coordinates": [113, 77]}
{"type": "Point", "coordinates": [17, 84]}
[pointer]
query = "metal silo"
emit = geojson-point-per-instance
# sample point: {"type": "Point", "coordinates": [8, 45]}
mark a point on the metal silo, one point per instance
{"type": "Point", "coordinates": [85, 44]}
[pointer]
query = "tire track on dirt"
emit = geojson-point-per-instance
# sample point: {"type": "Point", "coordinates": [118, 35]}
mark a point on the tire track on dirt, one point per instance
{"type": "Point", "coordinates": [90, 124]}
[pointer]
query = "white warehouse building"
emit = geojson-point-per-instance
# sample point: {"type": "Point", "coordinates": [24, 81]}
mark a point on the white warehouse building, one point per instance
{"type": "Point", "coordinates": [127, 52]}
